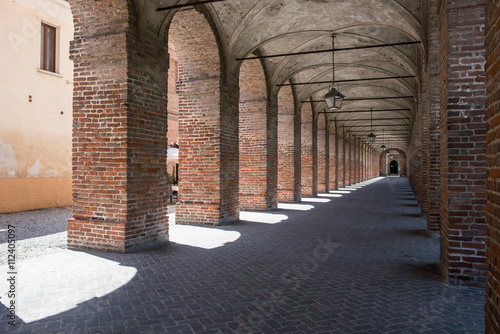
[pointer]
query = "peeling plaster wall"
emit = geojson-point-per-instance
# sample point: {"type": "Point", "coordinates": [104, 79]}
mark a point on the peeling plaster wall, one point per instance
{"type": "Point", "coordinates": [35, 107]}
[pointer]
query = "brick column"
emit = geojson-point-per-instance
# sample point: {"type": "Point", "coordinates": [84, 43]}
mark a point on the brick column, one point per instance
{"type": "Point", "coordinates": [208, 126]}
{"type": "Point", "coordinates": [354, 161]}
{"type": "Point", "coordinates": [463, 145]}
{"type": "Point", "coordinates": [492, 307]}
{"type": "Point", "coordinates": [341, 155]}
{"type": "Point", "coordinates": [369, 171]}
{"type": "Point", "coordinates": [365, 159]}
{"type": "Point", "coordinates": [119, 132]}
{"type": "Point", "coordinates": [322, 154]}
{"type": "Point", "coordinates": [363, 163]}
{"type": "Point", "coordinates": [433, 147]}
{"type": "Point", "coordinates": [297, 139]}
{"type": "Point", "coordinates": [286, 148]}
{"type": "Point", "coordinates": [423, 148]}
{"type": "Point", "coordinates": [253, 137]}
{"type": "Point", "coordinates": [307, 151]}
{"type": "Point", "coordinates": [348, 168]}
{"type": "Point", "coordinates": [328, 167]}
{"type": "Point", "coordinates": [315, 151]}
{"type": "Point", "coordinates": [338, 159]}
{"type": "Point", "coordinates": [333, 141]}
{"type": "Point", "coordinates": [359, 162]}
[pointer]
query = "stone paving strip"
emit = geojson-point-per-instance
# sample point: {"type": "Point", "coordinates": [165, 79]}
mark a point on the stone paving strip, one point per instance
{"type": "Point", "coordinates": [354, 260]}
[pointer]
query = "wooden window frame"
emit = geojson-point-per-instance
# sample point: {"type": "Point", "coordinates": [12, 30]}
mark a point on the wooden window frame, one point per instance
{"type": "Point", "coordinates": [45, 64]}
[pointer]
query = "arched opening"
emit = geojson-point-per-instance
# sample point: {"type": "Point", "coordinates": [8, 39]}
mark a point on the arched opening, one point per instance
{"type": "Point", "coordinates": [393, 167]}
{"type": "Point", "coordinates": [386, 166]}
{"type": "Point", "coordinates": [253, 138]}
{"type": "Point", "coordinates": [208, 183]}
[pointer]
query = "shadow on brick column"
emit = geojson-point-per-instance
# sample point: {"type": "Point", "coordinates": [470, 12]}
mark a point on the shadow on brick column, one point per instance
{"type": "Point", "coordinates": [208, 126]}
{"type": "Point", "coordinates": [492, 307]}
{"type": "Point", "coordinates": [323, 163]}
{"type": "Point", "coordinates": [307, 151]}
{"type": "Point", "coordinates": [463, 141]}
{"type": "Point", "coordinates": [119, 132]}
{"type": "Point", "coordinates": [255, 132]}
{"type": "Point", "coordinates": [433, 147]}
{"type": "Point", "coordinates": [342, 158]}
{"type": "Point", "coordinates": [286, 145]}
{"type": "Point", "coordinates": [333, 156]}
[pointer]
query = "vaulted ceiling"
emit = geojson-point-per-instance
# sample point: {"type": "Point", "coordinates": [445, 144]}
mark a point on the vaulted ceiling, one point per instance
{"type": "Point", "coordinates": [270, 27]}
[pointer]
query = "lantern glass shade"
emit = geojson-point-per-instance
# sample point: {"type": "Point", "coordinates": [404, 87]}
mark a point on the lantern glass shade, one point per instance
{"type": "Point", "coordinates": [334, 99]}
{"type": "Point", "coordinates": [371, 137]}
{"type": "Point", "coordinates": [383, 147]}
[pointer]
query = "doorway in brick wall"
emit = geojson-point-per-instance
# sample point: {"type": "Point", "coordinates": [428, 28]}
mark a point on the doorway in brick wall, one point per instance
{"type": "Point", "coordinates": [394, 167]}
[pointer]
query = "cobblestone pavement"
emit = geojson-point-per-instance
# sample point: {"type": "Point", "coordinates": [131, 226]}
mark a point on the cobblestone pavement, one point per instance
{"type": "Point", "coordinates": [351, 261]}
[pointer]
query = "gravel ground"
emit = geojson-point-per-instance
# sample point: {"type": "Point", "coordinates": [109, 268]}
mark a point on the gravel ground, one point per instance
{"type": "Point", "coordinates": [37, 232]}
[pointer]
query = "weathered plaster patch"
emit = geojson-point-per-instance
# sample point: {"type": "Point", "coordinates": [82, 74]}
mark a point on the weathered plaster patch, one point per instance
{"type": "Point", "coordinates": [51, 173]}
{"type": "Point", "coordinates": [8, 160]}
{"type": "Point", "coordinates": [36, 169]}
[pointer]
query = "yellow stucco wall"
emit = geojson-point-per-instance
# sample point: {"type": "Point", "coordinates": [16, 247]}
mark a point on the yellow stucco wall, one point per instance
{"type": "Point", "coordinates": [35, 107]}
{"type": "Point", "coordinates": [34, 193]}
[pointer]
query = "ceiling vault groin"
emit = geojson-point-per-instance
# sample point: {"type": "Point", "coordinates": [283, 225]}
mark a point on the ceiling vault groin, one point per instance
{"type": "Point", "coordinates": [379, 50]}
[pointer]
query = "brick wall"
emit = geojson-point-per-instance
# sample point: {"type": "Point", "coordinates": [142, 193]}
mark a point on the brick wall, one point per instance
{"type": "Point", "coordinates": [463, 145]}
{"type": "Point", "coordinates": [307, 151]}
{"type": "Point", "coordinates": [253, 137]}
{"type": "Point", "coordinates": [433, 148]}
{"type": "Point", "coordinates": [286, 145]}
{"type": "Point", "coordinates": [384, 160]}
{"type": "Point", "coordinates": [119, 133]}
{"type": "Point", "coordinates": [492, 307]}
{"type": "Point", "coordinates": [208, 126]}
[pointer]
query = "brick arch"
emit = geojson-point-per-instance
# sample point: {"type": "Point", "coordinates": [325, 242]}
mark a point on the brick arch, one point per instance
{"type": "Point", "coordinates": [383, 165]}
{"type": "Point", "coordinates": [208, 125]}
{"type": "Point", "coordinates": [119, 146]}
{"type": "Point", "coordinates": [257, 172]}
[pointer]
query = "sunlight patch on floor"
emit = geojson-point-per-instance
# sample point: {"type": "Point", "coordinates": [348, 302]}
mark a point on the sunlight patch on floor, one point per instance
{"type": "Point", "coordinates": [295, 206]}
{"type": "Point", "coordinates": [340, 191]}
{"type": "Point", "coordinates": [330, 195]}
{"type": "Point", "coordinates": [84, 277]}
{"type": "Point", "coordinates": [263, 217]}
{"type": "Point", "coordinates": [202, 237]}
{"type": "Point", "coordinates": [315, 200]}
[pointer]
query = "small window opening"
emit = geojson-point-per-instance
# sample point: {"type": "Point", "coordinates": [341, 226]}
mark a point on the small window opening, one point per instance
{"type": "Point", "coordinates": [48, 48]}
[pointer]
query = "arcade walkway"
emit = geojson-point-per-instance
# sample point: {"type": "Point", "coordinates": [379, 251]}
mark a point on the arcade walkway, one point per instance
{"type": "Point", "coordinates": [352, 261]}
